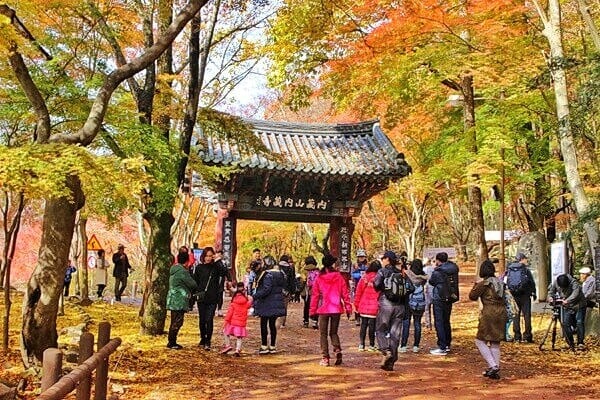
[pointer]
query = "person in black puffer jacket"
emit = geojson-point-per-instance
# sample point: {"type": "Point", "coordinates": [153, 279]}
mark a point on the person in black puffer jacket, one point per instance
{"type": "Point", "coordinates": [269, 302]}
{"type": "Point", "coordinates": [208, 276]}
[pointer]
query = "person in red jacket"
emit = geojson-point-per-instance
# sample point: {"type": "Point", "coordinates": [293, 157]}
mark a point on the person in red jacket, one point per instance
{"type": "Point", "coordinates": [330, 299]}
{"type": "Point", "coordinates": [236, 319]}
{"type": "Point", "coordinates": [366, 303]}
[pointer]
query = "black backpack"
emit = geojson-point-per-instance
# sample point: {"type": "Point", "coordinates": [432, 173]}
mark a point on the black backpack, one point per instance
{"type": "Point", "coordinates": [517, 280]}
{"type": "Point", "coordinates": [448, 290]}
{"type": "Point", "coordinates": [396, 287]}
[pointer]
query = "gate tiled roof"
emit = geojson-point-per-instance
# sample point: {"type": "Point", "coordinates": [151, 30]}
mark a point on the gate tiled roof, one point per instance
{"type": "Point", "coordinates": [352, 150]}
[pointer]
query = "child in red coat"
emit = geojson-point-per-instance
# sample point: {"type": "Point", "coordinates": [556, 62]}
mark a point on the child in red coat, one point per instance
{"type": "Point", "coordinates": [235, 320]}
{"type": "Point", "coordinates": [366, 304]}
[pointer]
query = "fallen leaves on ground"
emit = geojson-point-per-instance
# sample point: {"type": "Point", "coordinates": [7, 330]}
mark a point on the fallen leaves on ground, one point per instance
{"type": "Point", "coordinates": [143, 368]}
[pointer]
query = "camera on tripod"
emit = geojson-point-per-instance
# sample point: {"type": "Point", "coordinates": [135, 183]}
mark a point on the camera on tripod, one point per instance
{"type": "Point", "coordinates": [556, 302]}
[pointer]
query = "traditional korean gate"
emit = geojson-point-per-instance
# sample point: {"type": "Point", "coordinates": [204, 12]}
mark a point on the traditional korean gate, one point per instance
{"type": "Point", "coordinates": [318, 173]}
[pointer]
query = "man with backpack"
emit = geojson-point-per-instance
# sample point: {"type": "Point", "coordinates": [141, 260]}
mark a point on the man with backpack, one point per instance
{"type": "Point", "coordinates": [286, 265]}
{"type": "Point", "coordinates": [522, 286]}
{"type": "Point", "coordinates": [394, 289]}
{"type": "Point", "coordinates": [444, 280]}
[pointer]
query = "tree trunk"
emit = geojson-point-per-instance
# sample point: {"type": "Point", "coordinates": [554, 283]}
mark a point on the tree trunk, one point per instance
{"type": "Point", "coordinates": [475, 201]}
{"type": "Point", "coordinates": [10, 239]}
{"type": "Point", "coordinates": [158, 264]}
{"type": "Point", "coordinates": [82, 268]}
{"type": "Point", "coordinates": [584, 10]}
{"type": "Point", "coordinates": [552, 31]}
{"type": "Point", "coordinates": [40, 304]}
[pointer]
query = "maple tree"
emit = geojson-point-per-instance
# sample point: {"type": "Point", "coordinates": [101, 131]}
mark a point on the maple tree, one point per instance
{"type": "Point", "coordinates": [391, 59]}
{"type": "Point", "coordinates": [39, 315]}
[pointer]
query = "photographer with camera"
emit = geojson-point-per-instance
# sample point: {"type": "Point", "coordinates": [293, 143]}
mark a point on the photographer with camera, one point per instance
{"type": "Point", "coordinates": [573, 308]}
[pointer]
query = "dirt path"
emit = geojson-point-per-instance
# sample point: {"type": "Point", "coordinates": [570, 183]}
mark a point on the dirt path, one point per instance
{"type": "Point", "coordinates": [143, 368]}
{"type": "Point", "coordinates": [294, 371]}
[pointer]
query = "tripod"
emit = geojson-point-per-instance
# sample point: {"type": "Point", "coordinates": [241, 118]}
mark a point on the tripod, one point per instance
{"type": "Point", "coordinates": [556, 320]}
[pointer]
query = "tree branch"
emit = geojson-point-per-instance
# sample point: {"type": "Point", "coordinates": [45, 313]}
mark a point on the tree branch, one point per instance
{"type": "Point", "coordinates": [98, 110]}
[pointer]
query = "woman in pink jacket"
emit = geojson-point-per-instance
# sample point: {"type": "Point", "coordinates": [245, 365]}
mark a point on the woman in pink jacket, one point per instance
{"type": "Point", "coordinates": [329, 300]}
{"type": "Point", "coordinates": [366, 304]}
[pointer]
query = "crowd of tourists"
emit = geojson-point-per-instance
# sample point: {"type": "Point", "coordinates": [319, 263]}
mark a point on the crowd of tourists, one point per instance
{"type": "Point", "coordinates": [388, 296]}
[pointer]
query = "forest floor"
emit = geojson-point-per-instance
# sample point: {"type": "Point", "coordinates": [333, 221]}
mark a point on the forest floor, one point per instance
{"type": "Point", "coordinates": [143, 368]}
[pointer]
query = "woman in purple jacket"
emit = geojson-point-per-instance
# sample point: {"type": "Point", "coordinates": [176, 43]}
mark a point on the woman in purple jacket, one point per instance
{"type": "Point", "coordinates": [329, 300]}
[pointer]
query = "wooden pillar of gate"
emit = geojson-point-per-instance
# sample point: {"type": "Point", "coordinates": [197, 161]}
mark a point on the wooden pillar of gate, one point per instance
{"type": "Point", "coordinates": [340, 234]}
{"type": "Point", "coordinates": [225, 239]}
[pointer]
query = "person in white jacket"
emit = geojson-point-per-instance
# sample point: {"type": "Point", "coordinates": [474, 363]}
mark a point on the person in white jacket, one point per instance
{"type": "Point", "coordinates": [101, 273]}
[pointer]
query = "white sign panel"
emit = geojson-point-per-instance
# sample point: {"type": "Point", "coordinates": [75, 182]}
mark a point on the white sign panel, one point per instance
{"type": "Point", "coordinates": [559, 263]}
{"type": "Point", "coordinates": [430, 252]}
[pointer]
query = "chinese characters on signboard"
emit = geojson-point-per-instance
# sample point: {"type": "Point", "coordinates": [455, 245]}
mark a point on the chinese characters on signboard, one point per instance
{"type": "Point", "coordinates": [292, 203]}
{"type": "Point", "coordinates": [228, 240]}
{"type": "Point", "coordinates": [345, 260]}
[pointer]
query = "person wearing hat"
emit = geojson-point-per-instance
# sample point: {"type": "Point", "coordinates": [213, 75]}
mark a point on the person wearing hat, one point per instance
{"type": "Point", "coordinates": [573, 306]}
{"type": "Point", "coordinates": [519, 281]}
{"type": "Point", "coordinates": [120, 271]}
{"type": "Point", "coordinates": [312, 271]}
{"type": "Point", "coordinates": [330, 299]}
{"type": "Point", "coordinates": [588, 286]}
{"type": "Point", "coordinates": [388, 324]}
{"type": "Point", "coordinates": [358, 271]}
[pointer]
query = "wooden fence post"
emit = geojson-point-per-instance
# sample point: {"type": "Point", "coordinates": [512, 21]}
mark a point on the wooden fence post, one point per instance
{"type": "Point", "coordinates": [100, 390]}
{"type": "Point", "coordinates": [86, 349]}
{"type": "Point", "coordinates": [51, 367]}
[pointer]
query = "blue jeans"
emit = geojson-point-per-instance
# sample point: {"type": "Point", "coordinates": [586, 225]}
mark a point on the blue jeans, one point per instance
{"type": "Point", "coordinates": [441, 314]}
{"type": "Point", "coordinates": [573, 321]}
{"type": "Point", "coordinates": [416, 317]}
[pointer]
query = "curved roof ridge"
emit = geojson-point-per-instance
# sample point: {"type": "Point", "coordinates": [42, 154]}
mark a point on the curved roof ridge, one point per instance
{"type": "Point", "coordinates": [351, 150]}
{"type": "Point", "coordinates": [313, 128]}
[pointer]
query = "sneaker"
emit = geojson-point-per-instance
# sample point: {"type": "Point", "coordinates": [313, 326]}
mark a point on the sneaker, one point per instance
{"type": "Point", "coordinates": [315, 325]}
{"type": "Point", "coordinates": [305, 324]}
{"type": "Point", "coordinates": [361, 347]}
{"type": "Point", "coordinates": [372, 349]}
{"type": "Point", "coordinates": [175, 346]}
{"type": "Point", "coordinates": [237, 353]}
{"type": "Point", "coordinates": [387, 363]}
{"type": "Point", "coordinates": [226, 349]}
{"type": "Point", "coordinates": [402, 349]}
{"type": "Point", "coordinates": [494, 373]}
{"type": "Point", "coordinates": [207, 348]}
{"type": "Point", "coordinates": [338, 358]}
{"type": "Point", "coordinates": [581, 346]}
{"type": "Point", "coordinates": [415, 349]}
{"type": "Point", "coordinates": [438, 352]}
{"type": "Point", "coordinates": [324, 362]}
{"type": "Point", "coordinates": [272, 350]}
{"type": "Point", "coordinates": [263, 350]}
